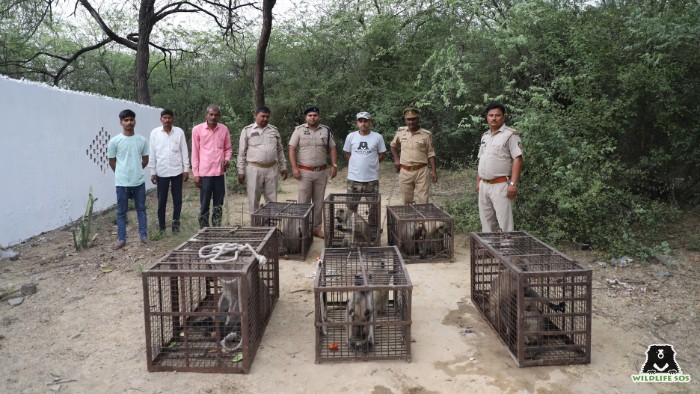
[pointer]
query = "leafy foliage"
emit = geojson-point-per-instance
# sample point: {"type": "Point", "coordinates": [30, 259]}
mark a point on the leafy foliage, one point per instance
{"type": "Point", "coordinates": [604, 94]}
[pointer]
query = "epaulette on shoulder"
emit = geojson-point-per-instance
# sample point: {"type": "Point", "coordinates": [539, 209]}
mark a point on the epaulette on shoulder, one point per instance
{"type": "Point", "coordinates": [512, 130]}
{"type": "Point", "coordinates": [427, 131]}
{"type": "Point", "coordinates": [403, 128]}
{"type": "Point", "coordinates": [249, 126]}
{"type": "Point", "coordinates": [273, 126]}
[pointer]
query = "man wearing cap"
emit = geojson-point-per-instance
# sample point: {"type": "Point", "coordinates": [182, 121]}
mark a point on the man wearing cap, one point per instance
{"type": "Point", "coordinates": [314, 142]}
{"type": "Point", "coordinates": [416, 145]}
{"type": "Point", "coordinates": [364, 149]}
{"type": "Point", "coordinates": [260, 146]}
{"type": "Point", "coordinates": [500, 162]}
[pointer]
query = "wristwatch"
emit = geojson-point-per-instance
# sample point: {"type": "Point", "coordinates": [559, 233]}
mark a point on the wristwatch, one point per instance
{"type": "Point", "coordinates": [511, 183]}
{"type": "Point", "coordinates": [335, 165]}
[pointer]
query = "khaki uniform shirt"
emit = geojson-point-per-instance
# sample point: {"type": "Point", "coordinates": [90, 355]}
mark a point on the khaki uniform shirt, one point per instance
{"type": "Point", "coordinates": [313, 145]}
{"type": "Point", "coordinates": [260, 145]}
{"type": "Point", "coordinates": [497, 152]}
{"type": "Point", "coordinates": [416, 148]}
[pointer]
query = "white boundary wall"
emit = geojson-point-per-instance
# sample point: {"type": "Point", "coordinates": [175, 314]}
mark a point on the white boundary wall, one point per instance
{"type": "Point", "coordinates": [53, 147]}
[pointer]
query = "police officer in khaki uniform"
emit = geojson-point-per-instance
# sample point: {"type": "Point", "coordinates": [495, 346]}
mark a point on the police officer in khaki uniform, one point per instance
{"type": "Point", "coordinates": [416, 145]}
{"type": "Point", "coordinates": [260, 156]}
{"type": "Point", "coordinates": [500, 162]}
{"type": "Point", "coordinates": [314, 142]}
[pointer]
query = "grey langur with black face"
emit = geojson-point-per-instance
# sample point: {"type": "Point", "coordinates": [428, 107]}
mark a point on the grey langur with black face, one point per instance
{"type": "Point", "coordinates": [503, 309]}
{"type": "Point", "coordinates": [419, 236]}
{"type": "Point", "coordinates": [360, 311]}
{"type": "Point", "coordinates": [380, 275]}
{"type": "Point", "coordinates": [343, 226]}
{"type": "Point", "coordinates": [438, 239]}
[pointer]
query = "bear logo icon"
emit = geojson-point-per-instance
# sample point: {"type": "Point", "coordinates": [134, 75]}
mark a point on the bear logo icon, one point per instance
{"type": "Point", "coordinates": [661, 359]}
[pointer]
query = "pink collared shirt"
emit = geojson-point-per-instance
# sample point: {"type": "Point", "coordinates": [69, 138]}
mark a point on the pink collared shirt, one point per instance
{"type": "Point", "coordinates": [210, 148]}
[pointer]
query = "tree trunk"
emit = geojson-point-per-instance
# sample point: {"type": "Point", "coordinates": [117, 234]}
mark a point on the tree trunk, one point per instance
{"type": "Point", "coordinates": [268, 5]}
{"type": "Point", "coordinates": [143, 52]}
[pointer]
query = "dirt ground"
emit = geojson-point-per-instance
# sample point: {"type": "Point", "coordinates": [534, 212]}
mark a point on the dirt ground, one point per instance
{"type": "Point", "coordinates": [83, 330]}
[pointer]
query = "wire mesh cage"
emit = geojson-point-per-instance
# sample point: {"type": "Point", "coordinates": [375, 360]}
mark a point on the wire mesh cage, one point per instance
{"type": "Point", "coordinates": [295, 222]}
{"type": "Point", "coordinates": [363, 305]}
{"type": "Point", "coordinates": [537, 299]}
{"type": "Point", "coordinates": [204, 316]}
{"type": "Point", "coordinates": [352, 220]}
{"type": "Point", "coordinates": [421, 231]}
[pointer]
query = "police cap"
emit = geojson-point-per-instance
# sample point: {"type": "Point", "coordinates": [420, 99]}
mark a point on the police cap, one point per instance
{"type": "Point", "coordinates": [312, 108]}
{"type": "Point", "coordinates": [410, 113]}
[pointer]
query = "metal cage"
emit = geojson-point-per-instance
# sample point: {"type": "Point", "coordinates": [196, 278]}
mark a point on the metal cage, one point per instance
{"type": "Point", "coordinates": [210, 317]}
{"type": "Point", "coordinates": [295, 222]}
{"type": "Point", "coordinates": [536, 299]}
{"type": "Point", "coordinates": [362, 305]}
{"type": "Point", "coordinates": [421, 231]}
{"type": "Point", "coordinates": [352, 220]}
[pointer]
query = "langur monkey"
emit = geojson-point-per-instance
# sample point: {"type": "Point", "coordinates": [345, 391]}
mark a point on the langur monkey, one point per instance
{"type": "Point", "coordinates": [351, 227]}
{"type": "Point", "coordinates": [229, 301]}
{"type": "Point", "coordinates": [360, 310]}
{"type": "Point", "coordinates": [438, 239]}
{"type": "Point", "coordinates": [291, 238]}
{"type": "Point", "coordinates": [342, 219]}
{"type": "Point", "coordinates": [380, 275]}
{"type": "Point", "coordinates": [419, 236]}
{"type": "Point", "coordinates": [503, 309]}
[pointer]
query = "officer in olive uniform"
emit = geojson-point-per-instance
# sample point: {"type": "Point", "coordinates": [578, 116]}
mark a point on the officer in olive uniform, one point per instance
{"type": "Point", "coordinates": [260, 157]}
{"type": "Point", "coordinates": [416, 145]}
{"type": "Point", "coordinates": [314, 142]}
{"type": "Point", "coordinates": [500, 163]}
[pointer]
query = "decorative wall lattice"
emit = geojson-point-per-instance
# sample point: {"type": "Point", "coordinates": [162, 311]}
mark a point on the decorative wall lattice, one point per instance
{"type": "Point", "coordinates": [97, 151]}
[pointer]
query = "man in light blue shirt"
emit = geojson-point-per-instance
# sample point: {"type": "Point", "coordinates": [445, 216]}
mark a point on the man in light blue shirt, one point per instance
{"type": "Point", "coordinates": [128, 156]}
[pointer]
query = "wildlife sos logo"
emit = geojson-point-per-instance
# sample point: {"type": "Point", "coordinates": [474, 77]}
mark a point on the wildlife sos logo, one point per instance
{"type": "Point", "coordinates": [363, 148]}
{"type": "Point", "coordinates": [661, 366]}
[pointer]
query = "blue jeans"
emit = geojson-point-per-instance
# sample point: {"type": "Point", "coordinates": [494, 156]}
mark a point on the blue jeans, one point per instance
{"type": "Point", "coordinates": [138, 193]}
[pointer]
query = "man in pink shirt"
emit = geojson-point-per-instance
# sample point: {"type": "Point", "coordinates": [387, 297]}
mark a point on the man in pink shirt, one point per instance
{"type": "Point", "coordinates": [211, 153]}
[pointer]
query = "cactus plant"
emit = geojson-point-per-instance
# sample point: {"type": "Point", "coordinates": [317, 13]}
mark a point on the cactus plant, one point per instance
{"type": "Point", "coordinates": [82, 239]}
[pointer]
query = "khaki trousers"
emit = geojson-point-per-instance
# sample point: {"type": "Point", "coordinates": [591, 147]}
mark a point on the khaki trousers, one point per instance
{"type": "Point", "coordinates": [495, 208]}
{"type": "Point", "coordinates": [312, 188]}
{"type": "Point", "coordinates": [260, 181]}
{"type": "Point", "coordinates": [415, 183]}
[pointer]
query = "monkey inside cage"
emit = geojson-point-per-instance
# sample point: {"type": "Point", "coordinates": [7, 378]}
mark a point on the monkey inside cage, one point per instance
{"type": "Point", "coordinates": [352, 220]}
{"type": "Point", "coordinates": [207, 303]}
{"type": "Point", "coordinates": [537, 300]}
{"type": "Point", "coordinates": [362, 305]}
{"type": "Point", "coordinates": [421, 231]}
{"type": "Point", "coordinates": [295, 223]}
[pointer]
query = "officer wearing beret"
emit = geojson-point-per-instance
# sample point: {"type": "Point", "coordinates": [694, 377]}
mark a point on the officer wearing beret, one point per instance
{"type": "Point", "coordinates": [500, 163]}
{"type": "Point", "coordinates": [416, 145]}
{"type": "Point", "coordinates": [260, 157]}
{"type": "Point", "coordinates": [314, 142]}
